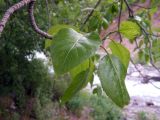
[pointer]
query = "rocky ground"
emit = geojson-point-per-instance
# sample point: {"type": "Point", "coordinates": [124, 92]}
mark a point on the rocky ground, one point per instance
{"type": "Point", "coordinates": [145, 98]}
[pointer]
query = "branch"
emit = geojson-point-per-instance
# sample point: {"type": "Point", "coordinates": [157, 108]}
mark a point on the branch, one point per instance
{"type": "Point", "coordinates": [91, 13]}
{"type": "Point", "coordinates": [140, 73]}
{"type": "Point", "coordinates": [33, 23]}
{"type": "Point", "coordinates": [146, 34]}
{"type": "Point", "coordinates": [130, 11]}
{"type": "Point", "coordinates": [119, 19]}
{"type": "Point", "coordinates": [154, 85]}
{"type": "Point", "coordinates": [10, 11]}
{"type": "Point", "coordinates": [18, 6]}
{"type": "Point", "coordinates": [150, 47]}
{"type": "Point", "coordinates": [105, 37]}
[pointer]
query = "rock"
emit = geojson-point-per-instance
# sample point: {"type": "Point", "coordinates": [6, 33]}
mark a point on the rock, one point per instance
{"type": "Point", "coordinates": [149, 104]}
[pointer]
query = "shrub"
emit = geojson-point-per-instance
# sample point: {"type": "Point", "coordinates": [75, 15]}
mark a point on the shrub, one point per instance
{"type": "Point", "coordinates": [104, 109]}
{"type": "Point", "coordinates": [76, 104]}
{"type": "Point", "coordinates": [101, 107]}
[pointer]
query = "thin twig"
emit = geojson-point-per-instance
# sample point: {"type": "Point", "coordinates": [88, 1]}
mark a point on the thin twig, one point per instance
{"type": "Point", "coordinates": [154, 85]}
{"type": "Point", "coordinates": [130, 11]}
{"type": "Point", "coordinates": [137, 68]}
{"type": "Point", "coordinates": [104, 49]}
{"type": "Point", "coordinates": [47, 12]}
{"type": "Point", "coordinates": [145, 33]}
{"type": "Point", "coordinates": [91, 13]}
{"type": "Point", "coordinates": [112, 32]}
{"type": "Point", "coordinates": [137, 46]}
{"type": "Point", "coordinates": [150, 47]}
{"type": "Point", "coordinates": [119, 20]}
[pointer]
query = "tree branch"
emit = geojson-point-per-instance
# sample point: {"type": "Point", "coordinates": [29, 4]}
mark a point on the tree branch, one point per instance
{"type": "Point", "coordinates": [10, 11]}
{"type": "Point", "coordinates": [18, 6]}
{"type": "Point", "coordinates": [145, 34]}
{"type": "Point", "coordinates": [33, 23]}
{"type": "Point", "coordinates": [91, 13]}
{"type": "Point", "coordinates": [130, 11]}
{"type": "Point", "coordinates": [119, 20]}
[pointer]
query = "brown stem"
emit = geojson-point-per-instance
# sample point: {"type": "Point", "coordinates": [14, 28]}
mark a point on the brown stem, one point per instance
{"type": "Point", "coordinates": [10, 11]}
{"type": "Point", "coordinates": [33, 23]}
{"type": "Point", "coordinates": [119, 20]}
{"type": "Point", "coordinates": [91, 13]}
{"type": "Point", "coordinates": [130, 11]}
{"type": "Point", "coordinates": [18, 6]}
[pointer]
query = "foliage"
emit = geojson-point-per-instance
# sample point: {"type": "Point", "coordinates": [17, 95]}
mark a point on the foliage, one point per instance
{"type": "Point", "coordinates": [79, 48]}
{"type": "Point", "coordinates": [101, 108]}
{"type": "Point", "coordinates": [104, 109]}
{"type": "Point", "coordinates": [130, 30]}
{"type": "Point", "coordinates": [141, 115]}
{"type": "Point", "coordinates": [61, 83]}
{"type": "Point", "coordinates": [78, 102]}
{"type": "Point", "coordinates": [73, 51]}
{"type": "Point", "coordinates": [112, 68]}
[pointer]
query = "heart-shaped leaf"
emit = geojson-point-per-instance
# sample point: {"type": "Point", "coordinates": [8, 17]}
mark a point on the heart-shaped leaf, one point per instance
{"type": "Point", "coordinates": [112, 75]}
{"type": "Point", "coordinates": [71, 48]}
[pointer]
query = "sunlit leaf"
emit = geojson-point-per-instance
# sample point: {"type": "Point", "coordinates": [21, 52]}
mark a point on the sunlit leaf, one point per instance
{"type": "Point", "coordinates": [130, 30]}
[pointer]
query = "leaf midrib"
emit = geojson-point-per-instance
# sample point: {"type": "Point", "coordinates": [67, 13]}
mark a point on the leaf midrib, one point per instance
{"type": "Point", "coordinates": [72, 48]}
{"type": "Point", "coordinates": [117, 77]}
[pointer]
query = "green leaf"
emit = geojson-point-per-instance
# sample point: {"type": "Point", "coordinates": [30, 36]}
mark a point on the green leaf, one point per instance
{"type": "Point", "coordinates": [71, 48]}
{"type": "Point", "coordinates": [56, 28]}
{"type": "Point", "coordinates": [104, 23]}
{"type": "Point", "coordinates": [121, 52]}
{"type": "Point", "coordinates": [112, 74]}
{"type": "Point", "coordinates": [130, 30]}
{"type": "Point", "coordinates": [80, 68]}
{"type": "Point", "coordinates": [97, 90]}
{"type": "Point", "coordinates": [53, 30]}
{"type": "Point", "coordinates": [94, 23]}
{"type": "Point", "coordinates": [80, 79]}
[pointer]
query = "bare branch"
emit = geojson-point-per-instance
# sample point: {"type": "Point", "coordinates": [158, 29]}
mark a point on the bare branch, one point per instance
{"type": "Point", "coordinates": [10, 11]}
{"type": "Point", "coordinates": [112, 32]}
{"type": "Point", "coordinates": [140, 73]}
{"type": "Point", "coordinates": [154, 85]}
{"type": "Point", "coordinates": [130, 11]}
{"type": "Point", "coordinates": [33, 23]}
